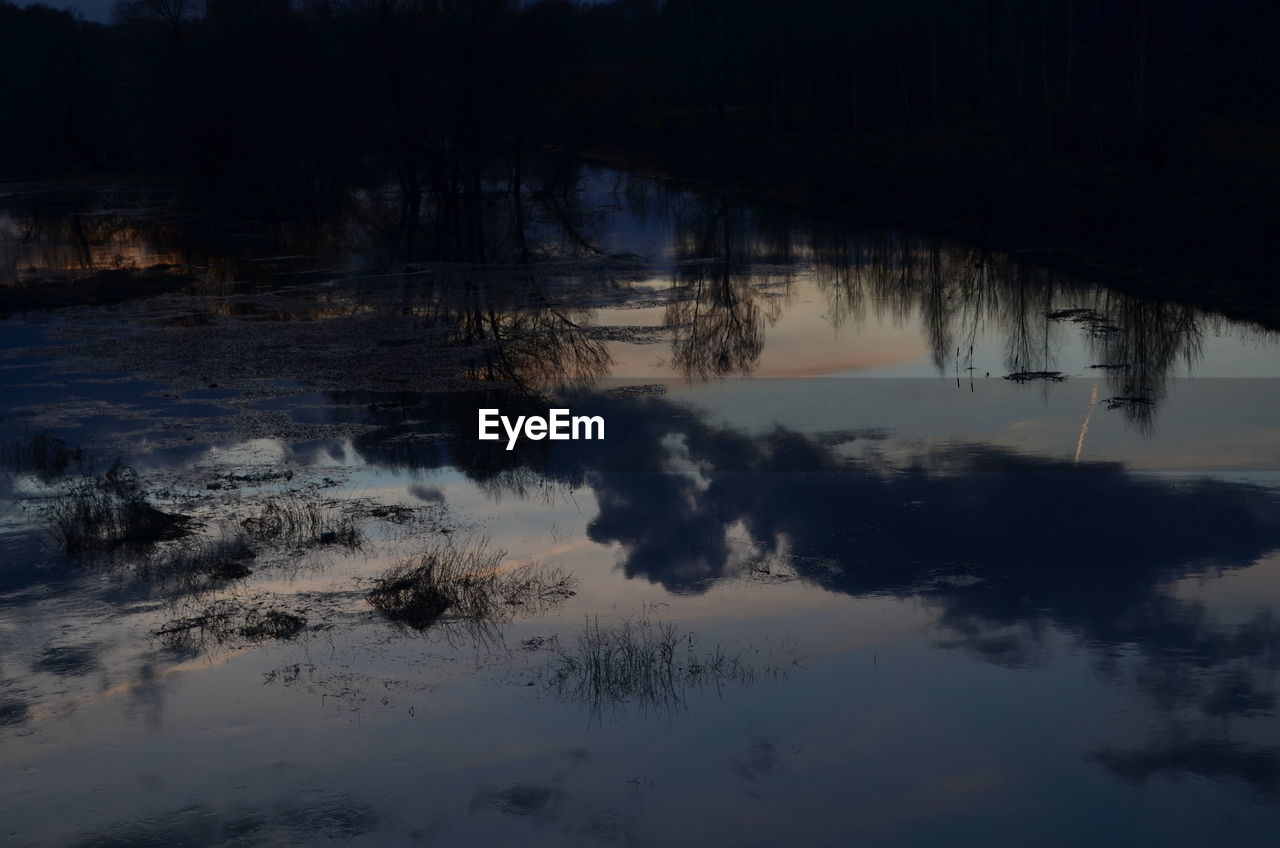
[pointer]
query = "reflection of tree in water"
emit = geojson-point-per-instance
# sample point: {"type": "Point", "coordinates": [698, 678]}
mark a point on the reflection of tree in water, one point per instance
{"type": "Point", "coordinates": [219, 241]}
{"type": "Point", "coordinates": [731, 267]}
{"type": "Point", "coordinates": [718, 329]}
{"type": "Point", "coordinates": [958, 292]}
{"type": "Point", "coordinates": [727, 258]}
{"type": "Point", "coordinates": [264, 237]}
{"type": "Point", "coordinates": [511, 329]}
{"type": "Point", "coordinates": [719, 308]}
{"type": "Point", "coordinates": [1149, 341]}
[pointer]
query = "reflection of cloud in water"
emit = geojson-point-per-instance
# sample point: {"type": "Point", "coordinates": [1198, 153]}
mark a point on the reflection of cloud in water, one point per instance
{"type": "Point", "coordinates": [13, 713]}
{"type": "Point", "coordinates": [579, 816]}
{"type": "Point", "coordinates": [1004, 547]}
{"type": "Point", "coordinates": [302, 820]}
{"type": "Point", "coordinates": [518, 799]}
{"type": "Point", "coordinates": [430, 494]}
{"type": "Point", "coordinates": [1214, 759]}
{"type": "Point", "coordinates": [982, 527]}
{"type": "Point", "coordinates": [67, 661]}
{"type": "Point", "coordinates": [760, 759]}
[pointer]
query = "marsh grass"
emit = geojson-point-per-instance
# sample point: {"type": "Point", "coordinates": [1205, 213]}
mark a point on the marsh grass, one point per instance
{"type": "Point", "coordinates": [229, 622]}
{"type": "Point", "coordinates": [464, 582]}
{"type": "Point", "coordinates": [291, 519]}
{"type": "Point", "coordinates": [652, 665]}
{"type": "Point", "coordinates": [194, 565]}
{"type": "Point", "coordinates": [99, 514]}
{"type": "Point", "coordinates": [43, 455]}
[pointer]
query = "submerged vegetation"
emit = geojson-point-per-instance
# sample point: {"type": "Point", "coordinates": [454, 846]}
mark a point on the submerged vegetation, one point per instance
{"type": "Point", "coordinates": [195, 564]}
{"type": "Point", "coordinates": [651, 664]}
{"type": "Point", "coordinates": [230, 621]}
{"type": "Point", "coordinates": [291, 519]}
{"type": "Point", "coordinates": [465, 581]}
{"type": "Point", "coordinates": [99, 514]}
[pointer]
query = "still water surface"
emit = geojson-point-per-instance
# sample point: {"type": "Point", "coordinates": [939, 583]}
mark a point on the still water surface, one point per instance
{"type": "Point", "coordinates": [914, 600]}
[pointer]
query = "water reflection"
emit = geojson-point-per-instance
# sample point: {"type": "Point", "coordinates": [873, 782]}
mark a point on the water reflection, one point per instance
{"type": "Point", "coordinates": [719, 311]}
{"type": "Point", "coordinates": [988, 510]}
{"type": "Point", "coordinates": [511, 330]}
{"type": "Point", "coordinates": [373, 352]}
{"type": "Point", "coordinates": [524, 298]}
{"type": "Point", "coordinates": [1008, 551]}
{"type": "Point", "coordinates": [1212, 759]}
{"type": "Point", "coordinates": [311, 817]}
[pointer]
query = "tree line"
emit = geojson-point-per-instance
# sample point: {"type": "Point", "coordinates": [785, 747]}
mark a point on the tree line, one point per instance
{"type": "Point", "coordinates": [431, 93]}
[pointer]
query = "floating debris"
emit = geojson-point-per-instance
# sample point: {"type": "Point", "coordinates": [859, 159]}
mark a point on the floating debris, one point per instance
{"type": "Point", "coordinates": [633, 335]}
{"type": "Point", "coordinates": [1029, 376]}
{"type": "Point", "coordinates": [1132, 401]}
{"type": "Point", "coordinates": [635, 391]}
{"type": "Point", "coordinates": [1076, 314]}
{"type": "Point", "coordinates": [1095, 322]}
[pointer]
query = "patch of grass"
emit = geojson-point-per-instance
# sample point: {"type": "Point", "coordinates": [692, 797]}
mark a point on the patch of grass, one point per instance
{"type": "Point", "coordinates": [294, 520]}
{"type": "Point", "coordinates": [197, 564]}
{"type": "Point", "coordinates": [229, 622]}
{"type": "Point", "coordinates": [464, 581]}
{"type": "Point", "coordinates": [103, 513]}
{"type": "Point", "coordinates": [43, 455]}
{"type": "Point", "coordinates": [648, 663]}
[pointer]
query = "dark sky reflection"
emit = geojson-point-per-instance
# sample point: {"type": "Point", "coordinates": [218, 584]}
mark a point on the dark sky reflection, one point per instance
{"type": "Point", "coordinates": [1005, 548]}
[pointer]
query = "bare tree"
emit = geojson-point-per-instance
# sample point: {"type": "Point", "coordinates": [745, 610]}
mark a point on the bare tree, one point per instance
{"type": "Point", "coordinates": [169, 13]}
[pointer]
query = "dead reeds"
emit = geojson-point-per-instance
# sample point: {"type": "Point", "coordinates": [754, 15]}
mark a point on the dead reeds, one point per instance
{"type": "Point", "coordinates": [98, 514]}
{"type": "Point", "coordinates": [646, 663]}
{"type": "Point", "coordinates": [229, 622]}
{"type": "Point", "coordinates": [291, 519]}
{"type": "Point", "coordinates": [464, 581]}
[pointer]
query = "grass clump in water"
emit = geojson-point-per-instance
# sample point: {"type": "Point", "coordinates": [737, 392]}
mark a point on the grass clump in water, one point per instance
{"type": "Point", "coordinates": [464, 581]}
{"type": "Point", "coordinates": [651, 664]}
{"type": "Point", "coordinates": [294, 520]}
{"type": "Point", "coordinates": [102, 513]}
{"type": "Point", "coordinates": [227, 622]}
{"type": "Point", "coordinates": [193, 565]}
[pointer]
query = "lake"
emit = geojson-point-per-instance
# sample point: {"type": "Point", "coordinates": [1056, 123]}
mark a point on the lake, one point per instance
{"type": "Point", "coordinates": [889, 534]}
